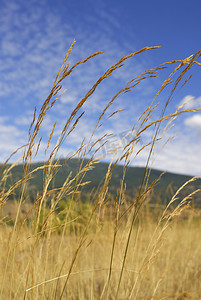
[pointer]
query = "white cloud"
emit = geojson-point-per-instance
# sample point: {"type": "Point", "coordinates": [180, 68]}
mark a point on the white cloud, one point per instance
{"type": "Point", "coordinates": [70, 97]}
{"type": "Point", "coordinates": [194, 121]}
{"type": "Point", "coordinates": [8, 129]}
{"type": "Point", "coordinates": [192, 102]}
{"type": "Point", "coordinates": [3, 119]}
{"type": "Point", "coordinates": [11, 138]}
{"type": "Point", "coordinates": [181, 155]}
{"type": "Point", "coordinates": [23, 120]}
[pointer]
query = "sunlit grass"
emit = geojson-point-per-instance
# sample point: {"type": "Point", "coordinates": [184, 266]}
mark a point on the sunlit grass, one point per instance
{"type": "Point", "coordinates": [111, 246]}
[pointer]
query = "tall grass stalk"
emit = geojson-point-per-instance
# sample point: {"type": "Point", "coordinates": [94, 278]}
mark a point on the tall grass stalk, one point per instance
{"type": "Point", "coordinates": [110, 247]}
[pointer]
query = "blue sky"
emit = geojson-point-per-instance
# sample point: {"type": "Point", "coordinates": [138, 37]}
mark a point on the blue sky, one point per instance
{"type": "Point", "coordinates": [34, 37]}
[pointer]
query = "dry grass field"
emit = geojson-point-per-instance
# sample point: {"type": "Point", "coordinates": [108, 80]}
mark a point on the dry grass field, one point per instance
{"type": "Point", "coordinates": [159, 265]}
{"type": "Point", "coordinates": [108, 248]}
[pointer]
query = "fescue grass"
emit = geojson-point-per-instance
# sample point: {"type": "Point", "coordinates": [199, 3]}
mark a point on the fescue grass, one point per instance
{"type": "Point", "coordinates": [107, 248]}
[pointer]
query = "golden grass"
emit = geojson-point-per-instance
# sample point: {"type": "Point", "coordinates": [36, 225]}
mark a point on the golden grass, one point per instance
{"type": "Point", "coordinates": [173, 268]}
{"type": "Point", "coordinates": [109, 248]}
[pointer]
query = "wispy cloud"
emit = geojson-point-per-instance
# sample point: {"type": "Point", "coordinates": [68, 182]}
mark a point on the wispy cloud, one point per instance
{"type": "Point", "coordinates": [180, 156]}
{"type": "Point", "coordinates": [191, 102]}
{"type": "Point", "coordinates": [11, 138]}
{"type": "Point", "coordinates": [192, 121]}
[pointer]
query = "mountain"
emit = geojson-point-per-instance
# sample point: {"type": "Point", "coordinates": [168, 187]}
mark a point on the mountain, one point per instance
{"type": "Point", "coordinates": [168, 183]}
